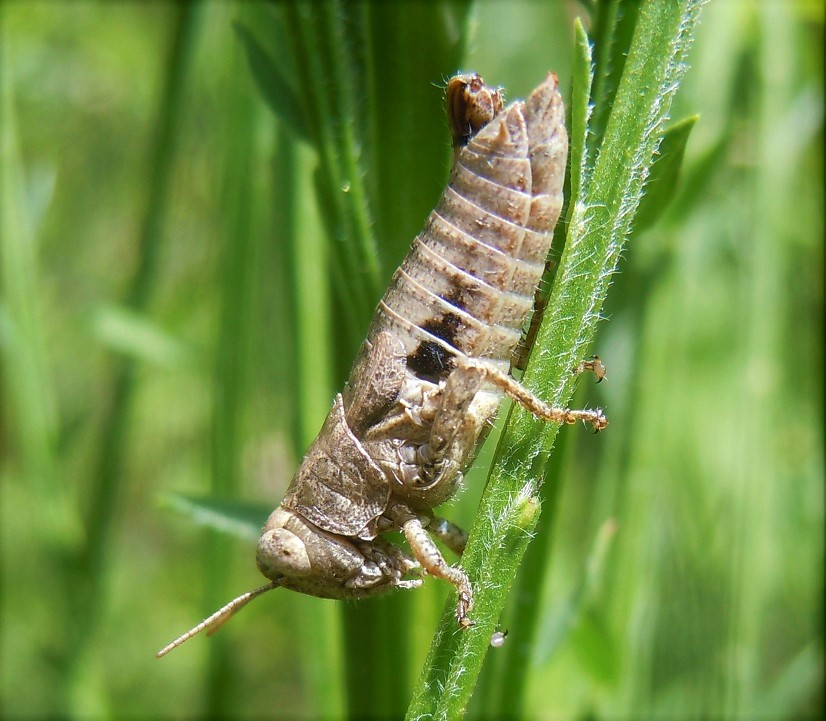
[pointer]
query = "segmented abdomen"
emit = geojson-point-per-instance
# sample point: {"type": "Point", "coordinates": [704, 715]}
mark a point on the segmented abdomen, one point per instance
{"type": "Point", "coordinates": [468, 284]}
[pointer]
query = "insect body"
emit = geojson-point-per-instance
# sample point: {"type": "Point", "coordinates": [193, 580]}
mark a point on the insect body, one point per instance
{"type": "Point", "coordinates": [432, 372]}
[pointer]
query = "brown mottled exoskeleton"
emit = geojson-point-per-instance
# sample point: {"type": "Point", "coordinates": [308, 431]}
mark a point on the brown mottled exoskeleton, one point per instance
{"type": "Point", "coordinates": [433, 370]}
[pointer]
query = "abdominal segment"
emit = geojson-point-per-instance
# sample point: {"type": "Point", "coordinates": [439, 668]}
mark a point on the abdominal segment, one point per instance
{"type": "Point", "coordinates": [468, 284]}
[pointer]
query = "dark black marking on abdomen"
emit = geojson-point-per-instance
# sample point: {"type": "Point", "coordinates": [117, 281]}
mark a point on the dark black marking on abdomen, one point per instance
{"type": "Point", "coordinates": [431, 361]}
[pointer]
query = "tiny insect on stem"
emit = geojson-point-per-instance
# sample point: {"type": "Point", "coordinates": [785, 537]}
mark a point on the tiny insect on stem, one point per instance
{"type": "Point", "coordinates": [594, 365]}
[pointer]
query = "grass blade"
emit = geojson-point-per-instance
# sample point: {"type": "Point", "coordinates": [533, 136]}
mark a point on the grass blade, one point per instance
{"type": "Point", "coordinates": [601, 220]}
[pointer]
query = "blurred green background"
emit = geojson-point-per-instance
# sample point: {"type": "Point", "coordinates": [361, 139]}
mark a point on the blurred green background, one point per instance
{"type": "Point", "coordinates": [174, 321]}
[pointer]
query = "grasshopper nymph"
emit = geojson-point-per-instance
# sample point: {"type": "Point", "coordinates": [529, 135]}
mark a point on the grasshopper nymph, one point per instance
{"type": "Point", "coordinates": [434, 367]}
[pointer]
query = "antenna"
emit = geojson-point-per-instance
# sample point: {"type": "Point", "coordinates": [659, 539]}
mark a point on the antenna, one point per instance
{"type": "Point", "coordinates": [214, 622]}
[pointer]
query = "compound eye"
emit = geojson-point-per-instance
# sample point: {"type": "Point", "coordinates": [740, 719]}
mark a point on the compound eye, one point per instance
{"type": "Point", "coordinates": [281, 553]}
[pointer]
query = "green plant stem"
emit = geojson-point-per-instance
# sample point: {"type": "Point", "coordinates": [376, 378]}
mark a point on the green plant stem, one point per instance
{"type": "Point", "coordinates": [508, 690]}
{"type": "Point", "coordinates": [600, 223]}
{"type": "Point", "coordinates": [240, 256]}
{"type": "Point", "coordinates": [514, 660]}
{"type": "Point", "coordinates": [25, 368]}
{"type": "Point", "coordinates": [313, 31]}
{"type": "Point", "coordinates": [102, 514]}
{"type": "Point", "coordinates": [345, 98]}
{"type": "Point", "coordinates": [350, 149]}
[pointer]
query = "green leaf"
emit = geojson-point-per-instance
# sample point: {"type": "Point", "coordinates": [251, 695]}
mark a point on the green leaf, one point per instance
{"type": "Point", "coordinates": [614, 24]}
{"type": "Point", "coordinates": [665, 172]}
{"type": "Point", "coordinates": [582, 77]}
{"type": "Point", "coordinates": [557, 626]}
{"type": "Point", "coordinates": [136, 335]}
{"type": "Point", "coordinates": [327, 73]}
{"type": "Point", "coordinates": [29, 392]}
{"type": "Point", "coordinates": [241, 519]}
{"type": "Point", "coordinates": [275, 89]}
{"type": "Point", "coordinates": [595, 647]}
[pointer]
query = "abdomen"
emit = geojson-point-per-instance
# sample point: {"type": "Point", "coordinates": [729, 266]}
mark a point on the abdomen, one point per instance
{"type": "Point", "coordinates": [467, 286]}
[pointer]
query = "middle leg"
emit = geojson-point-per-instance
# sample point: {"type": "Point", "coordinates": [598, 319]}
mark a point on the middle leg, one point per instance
{"type": "Point", "coordinates": [432, 561]}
